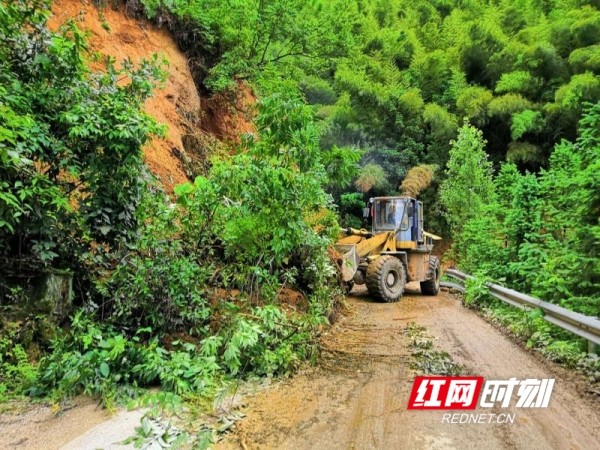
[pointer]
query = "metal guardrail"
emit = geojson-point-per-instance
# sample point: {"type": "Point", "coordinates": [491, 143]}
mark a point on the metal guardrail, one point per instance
{"type": "Point", "coordinates": [455, 286]}
{"type": "Point", "coordinates": [585, 326]}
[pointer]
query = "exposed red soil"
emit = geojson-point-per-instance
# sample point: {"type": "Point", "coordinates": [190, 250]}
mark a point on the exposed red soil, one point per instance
{"type": "Point", "coordinates": [441, 249]}
{"type": "Point", "coordinates": [227, 116]}
{"type": "Point", "coordinates": [292, 299]}
{"type": "Point", "coordinates": [114, 34]}
{"type": "Point", "coordinates": [130, 38]}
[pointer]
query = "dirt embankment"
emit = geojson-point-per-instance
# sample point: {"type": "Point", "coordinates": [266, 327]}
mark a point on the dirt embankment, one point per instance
{"type": "Point", "coordinates": [357, 398]}
{"type": "Point", "coordinates": [194, 123]}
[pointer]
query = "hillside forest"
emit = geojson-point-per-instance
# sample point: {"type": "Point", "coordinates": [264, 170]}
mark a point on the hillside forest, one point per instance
{"type": "Point", "coordinates": [487, 110]}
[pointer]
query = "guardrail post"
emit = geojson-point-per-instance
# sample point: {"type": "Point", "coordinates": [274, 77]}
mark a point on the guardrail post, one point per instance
{"type": "Point", "coordinates": [593, 348]}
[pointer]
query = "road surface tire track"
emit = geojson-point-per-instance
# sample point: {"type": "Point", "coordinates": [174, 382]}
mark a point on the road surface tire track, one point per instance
{"type": "Point", "coordinates": [357, 398]}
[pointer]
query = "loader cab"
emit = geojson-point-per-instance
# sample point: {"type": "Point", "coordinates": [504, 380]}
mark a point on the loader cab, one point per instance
{"type": "Point", "coordinates": [401, 214]}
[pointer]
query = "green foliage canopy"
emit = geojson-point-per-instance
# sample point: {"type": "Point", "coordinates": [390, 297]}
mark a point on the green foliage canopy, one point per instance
{"type": "Point", "coordinates": [70, 139]}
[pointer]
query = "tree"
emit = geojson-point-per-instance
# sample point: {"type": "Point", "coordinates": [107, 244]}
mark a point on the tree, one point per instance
{"type": "Point", "coordinates": [247, 38]}
{"type": "Point", "coordinates": [70, 140]}
{"type": "Point", "coordinates": [371, 176]}
{"type": "Point", "coordinates": [572, 207]}
{"type": "Point", "coordinates": [468, 188]}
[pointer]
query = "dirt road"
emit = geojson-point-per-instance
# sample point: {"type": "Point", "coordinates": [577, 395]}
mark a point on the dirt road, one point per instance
{"type": "Point", "coordinates": [358, 398]}
{"type": "Point", "coordinates": [40, 427]}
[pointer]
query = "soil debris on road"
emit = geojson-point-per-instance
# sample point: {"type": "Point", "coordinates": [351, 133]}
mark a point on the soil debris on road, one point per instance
{"type": "Point", "coordinates": [358, 394]}
{"type": "Point", "coordinates": [357, 397]}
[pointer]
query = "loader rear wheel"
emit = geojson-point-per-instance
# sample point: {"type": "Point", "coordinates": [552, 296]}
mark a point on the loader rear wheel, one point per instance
{"type": "Point", "coordinates": [386, 278]}
{"type": "Point", "coordinates": [432, 285]}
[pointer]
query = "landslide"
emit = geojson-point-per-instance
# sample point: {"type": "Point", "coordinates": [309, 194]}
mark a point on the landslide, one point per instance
{"type": "Point", "coordinates": [196, 125]}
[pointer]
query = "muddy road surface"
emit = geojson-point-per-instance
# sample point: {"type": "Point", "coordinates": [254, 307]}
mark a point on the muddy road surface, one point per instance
{"type": "Point", "coordinates": [41, 428]}
{"type": "Point", "coordinates": [358, 395]}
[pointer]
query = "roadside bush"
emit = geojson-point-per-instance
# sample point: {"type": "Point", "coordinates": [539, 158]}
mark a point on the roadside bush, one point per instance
{"type": "Point", "coordinates": [70, 144]}
{"type": "Point", "coordinates": [17, 373]}
{"type": "Point", "coordinates": [568, 353]}
{"type": "Point", "coordinates": [196, 298]}
{"type": "Point", "coordinates": [476, 292]}
{"type": "Point", "coordinates": [99, 360]}
{"type": "Point", "coordinates": [530, 328]}
{"type": "Point", "coordinates": [538, 233]}
{"type": "Point", "coordinates": [161, 281]}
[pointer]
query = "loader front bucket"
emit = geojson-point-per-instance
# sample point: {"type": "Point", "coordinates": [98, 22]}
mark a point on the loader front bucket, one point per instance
{"type": "Point", "coordinates": [349, 260]}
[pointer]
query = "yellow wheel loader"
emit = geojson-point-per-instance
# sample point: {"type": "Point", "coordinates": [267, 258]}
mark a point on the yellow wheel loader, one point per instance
{"type": "Point", "coordinates": [395, 251]}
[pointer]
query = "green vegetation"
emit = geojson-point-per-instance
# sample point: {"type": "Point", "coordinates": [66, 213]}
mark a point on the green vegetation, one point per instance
{"type": "Point", "coordinates": [183, 295]}
{"type": "Point", "coordinates": [426, 360]}
{"type": "Point", "coordinates": [404, 77]}
{"type": "Point", "coordinates": [538, 233]}
{"type": "Point", "coordinates": [397, 78]}
{"type": "Point", "coordinates": [68, 136]}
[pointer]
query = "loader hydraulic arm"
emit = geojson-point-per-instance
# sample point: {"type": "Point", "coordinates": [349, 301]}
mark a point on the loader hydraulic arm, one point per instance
{"type": "Point", "coordinates": [372, 245]}
{"type": "Point", "coordinates": [355, 232]}
{"type": "Point", "coordinates": [368, 243]}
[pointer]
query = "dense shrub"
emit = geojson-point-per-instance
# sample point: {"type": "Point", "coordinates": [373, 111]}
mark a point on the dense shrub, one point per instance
{"type": "Point", "coordinates": [537, 233]}
{"type": "Point", "coordinates": [70, 141]}
{"type": "Point", "coordinates": [207, 269]}
{"type": "Point", "coordinates": [99, 360]}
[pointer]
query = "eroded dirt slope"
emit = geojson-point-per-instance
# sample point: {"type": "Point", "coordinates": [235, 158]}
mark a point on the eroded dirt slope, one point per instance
{"type": "Point", "coordinates": [192, 121]}
{"type": "Point", "coordinates": [112, 33]}
{"type": "Point", "coordinates": [358, 398]}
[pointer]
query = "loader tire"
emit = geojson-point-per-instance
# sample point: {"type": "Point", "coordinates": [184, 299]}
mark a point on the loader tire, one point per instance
{"type": "Point", "coordinates": [386, 278]}
{"type": "Point", "coordinates": [347, 287]}
{"type": "Point", "coordinates": [432, 285]}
